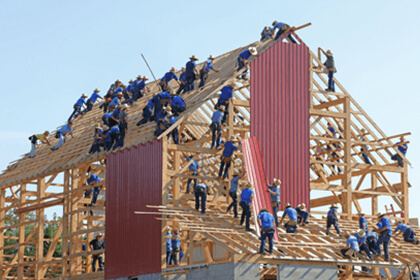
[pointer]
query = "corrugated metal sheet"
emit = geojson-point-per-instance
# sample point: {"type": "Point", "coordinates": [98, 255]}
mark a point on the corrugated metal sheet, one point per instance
{"type": "Point", "coordinates": [134, 180]}
{"type": "Point", "coordinates": [255, 173]}
{"type": "Point", "coordinates": [280, 116]}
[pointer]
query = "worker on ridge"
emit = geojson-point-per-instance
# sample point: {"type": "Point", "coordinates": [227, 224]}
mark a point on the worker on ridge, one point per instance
{"type": "Point", "coordinates": [403, 149]}
{"type": "Point", "coordinates": [34, 138]}
{"type": "Point", "coordinates": [274, 191]}
{"type": "Point", "coordinates": [97, 244]}
{"type": "Point", "coordinates": [246, 199]}
{"type": "Point", "coordinates": [204, 72]}
{"type": "Point", "coordinates": [291, 225]}
{"type": "Point", "coordinates": [182, 82]}
{"type": "Point", "coordinates": [77, 107]}
{"type": "Point", "coordinates": [92, 99]}
{"type": "Point", "coordinates": [266, 33]}
{"type": "Point", "coordinates": [193, 170]}
{"type": "Point", "coordinates": [61, 134]}
{"type": "Point", "coordinates": [282, 27]}
{"type": "Point", "coordinates": [385, 233]}
{"type": "Point", "coordinates": [226, 158]}
{"type": "Point", "coordinates": [330, 66]}
{"type": "Point", "coordinates": [216, 126]}
{"type": "Point", "coordinates": [302, 213]}
{"type": "Point", "coordinates": [97, 141]}
{"type": "Point", "coordinates": [243, 60]}
{"type": "Point", "coordinates": [407, 232]}
{"type": "Point", "coordinates": [332, 219]}
{"type": "Point", "coordinates": [191, 73]}
{"type": "Point", "coordinates": [364, 148]}
{"type": "Point", "coordinates": [164, 82]}
{"type": "Point", "coordinates": [266, 223]}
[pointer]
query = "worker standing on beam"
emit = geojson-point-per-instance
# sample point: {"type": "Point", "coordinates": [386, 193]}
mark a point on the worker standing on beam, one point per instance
{"type": "Point", "coordinates": [385, 233]}
{"type": "Point", "coordinates": [407, 232]}
{"type": "Point", "coordinates": [78, 107]}
{"type": "Point", "coordinates": [225, 95]}
{"type": "Point", "coordinates": [243, 60]}
{"type": "Point", "coordinates": [216, 126]}
{"type": "Point", "coordinates": [200, 191]}
{"type": "Point", "coordinates": [226, 158]}
{"type": "Point", "coordinates": [182, 82]}
{"type": "Point", "coordinates": [123, 126]}
{"type": "Point", "coordinates": [97, 244]}
{"type": "Point", "coordinates": [147, 112]}
{"type": "Point", "coordinates": [190, 73]}
{"type": "Point", "coordinates": [246, 199]}
{"type": "Point", "coordinates": [193, 170]}
{"type": "Point", "coordinates": [168, 245]}
{"type": "Point", "coordinates": [403, 149]}
{"type": "Point", "coordinates": [282, 27]}
{"type": "Point", "coordinates": [330, 65]}
{"type": "Point", "coordinates": [332, 219]}
{"type": "Point", "coordinates": [34, 138]}
{"type": "Point", "coordinates": [274, 191]}
{"type": "Point", "coordinates": [266, 223]}
{"type": "Point", "coordinates": [363, 222]}
{"type": "Point", "coordinates": [176, 244]}
{"type": "Point", "coordinates": [233, 194]}
{"type": "Point", "coordinates": [291, 225]}
{"type": "Point", "coordinates": [204, 72]}
{"type": "Point", "coordinates": [61, 134]}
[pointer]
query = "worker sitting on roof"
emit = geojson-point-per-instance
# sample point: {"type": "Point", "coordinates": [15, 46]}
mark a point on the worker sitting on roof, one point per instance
{"type": "Point", "coordinates": [112, 88]}
{"type": "Point", "coordinates": [225, 96]}
{"type": "Point", "coordinates": [164, 121]}
{"type": "Point", "coordinates": [372, 241]}
{"type": "Point", "coordinates": [115, 102]}
{"type": "Point", "coordinates": [140, 89]}
{"type": "Point", "coordinates": [204, 72]}
{"type": "Point", "coordinates": [274, 191]}
{"type": "Point", "coordinates": [266, 33]}
{"type": "Point", "coordinates": [190, 73]}
{"type": "Point", "coordinates": [332, 219]}
{"type": "Point", "coordinates": [176, 244]}
{"type": "Point", "coordinates": [97, 141]}
{"type": "Point", "coordinates": [104, 105]}
{"type": "Point", "coordinates": [200, 191]}
{"type": "Point", "coordinates": [61, 134]}
{"type": "Point", "coordinates": [407, 231]}
{"type": "Point", "coordinates": [226, 158]}
{"type": "Point", "coordinates": [282, 27]}
{"type": "Point", "coordinates": [92, 99]}
{"type": "Point", "coordinates": [165, 97]}
{"type": "Point", "coordinates": [363, 224]}
{"type": "Point", "coordinates": [106, 138]}
{"type": "Point", "coordinates": [147, 112]}
{"type": "Point", "coordinates": [330, 67]}
{"type": "Point", "coordinates": [114, 134]}
{"type": "Point", "coordinates": [130, 88]}
{"type": "Point", "coordinates": [266, 223]}
{"type": "Point", "coordinates": [303, 214]}
{"type": "Point", "coordinates": [361, 240]}
{"type": "Point", "coordinates": [114, 119]}
{"type": "Point", "coordinates": [177, 104]}
{"type": "Point", "coordinates": [105, 118]}
{"type": "Point", "coordinates": [163, 83]}
{"type": "Point", "coordinates": [233, 190]}
{"type": "Point", "coordinates": [291, 225]}
{"type": "Point", "coordinates": [97, 244]}
{"type": "Point", "coordinates": [182, 82]}
{"type": "Point", "coordinates": [78, 107]}
{"type": "Point", "coordinates": [216, 126]}
{"type": "Point", "coordinates": [246, 199]}
{"type": "Point", "coordinates": [123, 126]}
{"type": "Point", "coordinates": [403, 149]}
{"type": "Point", "coordinates": [351, 248]}
{"type": "Point", "coordinates": [243, 60]}
{"type": "Point", "coordinates": [34, 138]}
{"type": "Point", "coordinates": [385, 233]}
{"type": "Point", "coordinates": [192, 170]}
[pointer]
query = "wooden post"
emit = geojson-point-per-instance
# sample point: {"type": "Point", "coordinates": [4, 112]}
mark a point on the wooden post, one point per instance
{"type": "Point", "coordinates": [39, 253]}
{"type": "Point", "coordinates": [404, 182]}
{"type": "Point", "coordinates": [346, 181]}
{"type": "Point", "coordinates": [2, 218]}
{"type": "Point", "coordinates": [374, 197]}
{"type": "Point", "coordinates": [176, 192]}
{"type": "Point", "coordinates": [66, 209]}
{"type": "Point", "coordinates": [21, 250]}
{"type": "Point", "coordinates": [165, 201]}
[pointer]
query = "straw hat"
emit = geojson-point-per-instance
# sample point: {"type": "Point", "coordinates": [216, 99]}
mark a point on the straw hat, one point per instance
{"type": "Point", "coordinates": [361, 233]}
{"type": "Point", "coordinates": [99, 235]}
{"type": "Point", "coordinates": [333, 205]}
{"type": "Point", "coordinates": [46, 132]}
{"type": "Point", "coordinates": [145, 78]}
{"type": "Point", "coordinates": [361, 213]}
{"type": "Point", "coordinates": [232, 138]}
{"type": "Point", "coordinates": [287, 205]}
{"type": "Point", "coordinates": [274, 22]}
{"type": "Point", "coordinates": [120, 94]}
{"type": "Point", "coordinates": [124, 107]}
{"type": "Point", "coordinates": [277, 182]}
{"type": "Point", "coordinates": [263, 210]}
{"type": "Point", "coordinates": [130, 81]}
{"type": "Point", "coordinates": [167, 109]}
{"type": "Point", "coordinates": [96, 90]}
{"type": "Point", "coordinates": [84, 95]}
{"type": "Point", "coordinates": [117, 81]}
{"type": "Point", "coordinates": [221, 107]}
{"type": "Point", "coordinates": [183, 69]}
{"type": "Point", "coordinates": [193, 57]}
{"type": "Point", "coordinates": [253, 50]}
{"type": "Point", "coordinates": [330, 52]}
{"type": "Point", "coordinates": [139, 77]}
{"type": "Point", "coordinates": [211, 57]}
{"type": "Point", "coordinates": [249, 185]}
{"type": "Point", "coordinates": [380, 215]}
{"type": "Point", "coordinates": [173, 69]}
{"type": "Point", "coordinates": [302, 206]}
{"type": "Point", "coordinates": [232, 85]}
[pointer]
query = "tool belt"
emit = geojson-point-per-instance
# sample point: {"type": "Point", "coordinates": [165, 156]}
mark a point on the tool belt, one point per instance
{"type": "Point", "coordinates": [275, 203]}
{"type": "Point", "coordinates": [227, 159]}
{"type": "Point", "coordinates": [200, 189]}
{"type": "Point", "coordinates": [265, 229]}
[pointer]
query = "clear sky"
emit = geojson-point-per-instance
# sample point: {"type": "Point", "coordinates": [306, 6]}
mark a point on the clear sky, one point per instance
{"type": "Point", "coordinates": [53, 51]}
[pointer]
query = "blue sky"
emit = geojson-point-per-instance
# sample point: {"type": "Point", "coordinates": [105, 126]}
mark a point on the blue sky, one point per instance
{"type": "Point", "coordinates": [52, 51]}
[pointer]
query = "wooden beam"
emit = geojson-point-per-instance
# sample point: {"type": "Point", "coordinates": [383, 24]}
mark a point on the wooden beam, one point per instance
{"type": "Point", "coordinates": [39, 206]}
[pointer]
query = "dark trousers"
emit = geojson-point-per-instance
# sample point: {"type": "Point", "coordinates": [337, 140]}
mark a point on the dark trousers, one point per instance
{"type": "Point", "coordinates": [222, 166]}
{"type": "Point", "coordinates": [216, 134]}
{"type": "Point", "coordinates": [280, 32]}
{"type": "Point", "coordinates": [344, 251]}
{"type": "Point", "coordinates": [168, 257]}
{"type": "Point", "coordinates": [203, 78]}
{"type": "Point", "coordinates": [366, 158]}
{"type": "Point", "coordinates": [303, 218]}
{"type": "Point", "coordinates": [96, 191]}
{"type": "Point", "coordinates": [275, 210]}
{"type": "Point", "coordinates": [398, 158]}
{"type": "Point", "coordinates": [147, 115]}
{"type": "Point", "coordinates": [409, 235]}
{"type": "Point", "coordinates": [234, 204]}
{"type": "Point", "coordinates": [190, 83]}
{"type": "Point", "coordinates": [384, 239]}
{"type": "Point", "coordinates": [203, 196]}
{"type": "Point", "coordinates": [114, 139]}
{"type": "Point", "coordinates": [246, 214]}
{"type": "Point", "coordinates": [182, 88]}
{"type": "Point", "coordinates": [291, 226]}
{"type": "Point", "coordinates": [96, 147]}
{"type": "Point", "coordinates": [332, 221]}
{"type": "Point", "coordinates": [120, 141]}
{"type": "Point", "coordinates": [76, 111]}
{"type": "Point", "coordinates": [89, 105]}
{"type": "Point", "coordinates": [195, 173]}
{"type": "Point", "coordinates": [364, 247]}
{"type": "Point", "coordinates": [175, 135]}
{"type": "Point", "coordinates": [100, 262]}
{"type": "Point", "coordinates": [174, 257]}
{"type": "Point", "coordinates": [372, 244]}
{"type": "Point", "coordinates": [267, 233]}
{"type": "Point", "coordinates": [176, 109]}
{"type": "Point", "coordinates": [331, 84]}
{"type": "Point", "coordinates": [107, 145]}
{"type": "Point", "coordinates": [240, 66]}
{"type": "Point", "coordinates": [105, 120]}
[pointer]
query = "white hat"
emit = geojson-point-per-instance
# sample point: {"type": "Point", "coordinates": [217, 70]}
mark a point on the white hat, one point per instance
{"type": "Point", "coordinates": [253, 50]}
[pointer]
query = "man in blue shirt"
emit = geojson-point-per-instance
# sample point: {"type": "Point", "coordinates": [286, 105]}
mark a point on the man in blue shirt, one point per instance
{"type": "Point", "coordinates": [372, 241]}
{"type": "Point", "coordinates": [246, 199]}
{"type": "Point", "coordinates": [182, 82]}
{"type": "Point", "coordinates": [361, 240]}
{"type": "Point", "coordinates": [61, 134]}
{"type": "Point", "coordinates": [204, 72]}
{"type": "Point", "coordinates": [351, 246]}
{"type": "Point", "coordinates": [266, 223]}
{"type": "Point", "coordinates": [303, 214]}
{"type": "Point", "coordinates": [385, 234]}
{"type": "Point", "coordinates": [200, 191]}
{"type": "Point", "coordinates": [123, 126]}
{"type": "Point", "coordinates": [163, 83]}
{"type": "Point", "coordinates": [112, 88]}
{"type": "Point", "coordinates": [115, 101]}
{"type": "Point", "coordinates": [168, 246]}
{"type": "Point", "coordinates": [97, 141]}
{"type": "Point", "coordinates": [363, 222]}
{"type": "Point", "coordinates": [105, 118]}
{"type": "Point", "coordinates": [176, 244]}
{"type": "Point", "coordinates": [407, 231]}
{"type": "Point", "coordinates": [403, 149]}
{"type": "Point", "coordinates": [266, 33]}
{"type": "Point", "coordinates": [225, 95]}
{"type": "Point", "coordinates": [274, 191]}
{"type": "Point", "coordinates": [233, 190]}
{"type": "Point", "coordinates": [243, 60]}
{"type": "Point", "coordinates": [92, 99]}
{"type": "Point", "coordinates": [332, 219]}
{"type": "Point", "coordinates": [114, 134]}
{"type": "Point", "coordinates": [78, 107]}
{"type": "Point", "coordinates": [216, 126]}
{"type": "Point", "coordinates": [291, 225]}
{"type": "Point", "coordinates": [92, 181]}
{"type": "Point", "coordinates": [227, 153]}
{"type": "Point", "coordinates": [114, 119]}
{"type": "Point", "coordinates": [282, 27]}
{"type": "Point", "coordinates": [193, 170]}
{"type": "Point", "coordinates": [177, 104]}
{"type": "Point", "coordinates": [330, 66]}
{"type": "Point", "coordinates": [190, 73]}
{"type": "Point", "coordinates": [147, 112]}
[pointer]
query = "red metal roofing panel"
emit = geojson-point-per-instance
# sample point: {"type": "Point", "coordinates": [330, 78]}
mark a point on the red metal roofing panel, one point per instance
{"type": "Point", "coordinates": [134, 180]}
{"type": "Point", "coordinates": [280, 116]}
{"type": "Point", "coordinates": [255, 173]}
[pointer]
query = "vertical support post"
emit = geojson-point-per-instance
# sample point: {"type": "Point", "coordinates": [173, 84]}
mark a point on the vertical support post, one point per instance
{"type": "Point", "coordinates": [40, 231]}
{"type": "Point", "coordinates": [72, 220]}
{"type": "Point", "coordinates": [66, 209]}
{"type": "Point", "coordinates": [175, 189]}
{"type": "Point", "coordinates": [21, 250]}
{"type": "Point", "coordinates": [2, 218]}
{"type": "Point", "coordinates": [404, 183]}
{"type": "Point", "coordinates": [374, 184]}
{"type": "Point", "coordinates": [164, 196]}
{"type": "Point", "coordinates": [347, 159]}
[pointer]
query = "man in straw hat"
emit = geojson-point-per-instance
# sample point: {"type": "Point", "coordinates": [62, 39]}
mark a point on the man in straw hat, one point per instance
{"type": "Point", "coordinates": [407, 232]}
{"type": "Point", "coordinates": [363, 224]}
{"type": "Point", "coordinates": [332, 219]}
{"type": "Point", "coordinates": [351, 248]}
{"type": "Point", "coordinates": [78, 107]}
{"type": "Point", "coordinates": [190, 73]}
{"type": "Point", "coordinates": [282, 27]}
{"type": "Point", "coordinates": [97, 244]}
{"type": "Point", "coordinates": [192, 170]}
{"type": "Point", "coordinates": [147, 112]}
{"type": "Point", "coordinates": [274, 191]}
{"type": "Point", "coordinates": [361, 240]}
{"type": "Point", "coordinates": [182, 82]}
{"type": "Point", "coordinates": [330, 66]}
{"type": "Point", "coordinates": [216, 127]}
{"type": "Point", "coordinates": [204, 72]}
{"type": "Point", "coordinates": [266, 33]}
{"type": "Point", "coordinates": [266, 223]}
{"type": "Point", "coordinates": [163, 83]}
{"type": "Point", "coordinates": [34, 138]}
{"type": "Point", "coordinates": [115, 101]}
{"type": "Point", "coordinates": [303, 214]}
{"type": "Point", "coordinates": [233, 193]}
{"type": "Point", "coordinates": [225, 95]}
{"type": "Point", "coordinates": [61, 134]}
{"type": "Point", "coordinates": [246, 199]}
{"type": "Point", "coordinates": [291, 225]}
{"type": "Point", "coordinates": [403, 149]}
{"type": "Point", "coordinates": [177, 104]}
{"type": "Point", "coordinates": [122, 125]}
{"type": "Point", "coordinates": [92, 99]}
{"type": "Point", "coordinates": [112, 88]}
{"type": "Point", "coordinates": [385, 233]}
{"type": "Point", "coordinates": [243, 60]}
{"type": "Point", "coordinates": [227, 154]}
{"type": "Point", "coordinates": [97, 141]}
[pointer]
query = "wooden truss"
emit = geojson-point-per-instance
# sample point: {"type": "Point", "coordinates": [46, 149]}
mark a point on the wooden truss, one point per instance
{"type": "Point", "coordinates": [58, 178]}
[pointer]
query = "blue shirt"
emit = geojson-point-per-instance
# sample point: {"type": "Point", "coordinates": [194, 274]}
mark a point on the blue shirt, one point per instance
{"type": "Point", "coordinates": [176, 242]}
{"type": "Point", "coordinates": [234, 184]}
{"type": "Point", "coordinates": [189, 68]}
{"type": "Point", "coordinates": [274, 198]}
{"type": "Point", "coordinates": [386, 223]}
{"type": "Point", "coordinates": [141, 85]}
{"type": "Point", "coordinates": [362, 220]}
{"type": "Point", "coordinates": [94, 96]}
{"type": "Point", "coordinates": [360, 240]}
{"type": "Point", "coordinates": [217, 117]}
{"type": "Point", "coordinates": [169, 76]}
{"type": "Point", "coordinates": [107, 116]}
{"type": "Point", "coordinates": [352, 242]}
{"type": "Point", "coordinates": [150, 103]}
{"type": "Point", "coordinates": [93, 179]}
{"type": "Point", "coordinates": [172, 120]}
{"type": "Point", "coordinates": [115, 101]}
{"type": "Point", "coordinates": [278, 26]}
{"type": "Point", "coordinates": [130, 87]}
{"type": "Point", "coordinates": [229, 149]}
{"type": "Point", "coordinates": [115, 128]}
{"type": "Point", "coordinates": [298, 211]}
{"type": "Point", "coordinates": [165, 95]}
{"type": "Point", "coordinates": [107, 136]}
{"type": "Point", "coordinates": [183, 78]}
{"type": "Point", "coordinates": [267, 220]}
{"type": "Point", "coordinates": [331, 212]}
{"type": "Point", "coordinates": [120, 89]}
{"type": "Point", "coordinates": [176, 100]}
{"type": "Point", "coordinates": [227, 93]}
{"type": "Point", "coordinates": [193, 166]}
{"type": "Point", "coordinates": [291, 213]}
{"type": "Point", "coordinates": [332, 130]}
{"type": "Point", "coordinates": [80, 101]}
{"type": "Point", "coordinates": [401, 149]}
{"type": "Point", "coordinates": [402, 227]}
{"type": "Point", "coordinates": [168, 242]}
{"type": "Point", "coordinates": [97, 134]}
{"type": "Point", "coordinates": [246, 195]}
{"type": "Point", "coordinates": [65, 128]}
{"type": "Point", "coordinates": [372, 233]}
{"type": "Point", "coordinates": [116, 114]}
{"type": "Point", "coordinates": [160, 115]}
{"type": "Point", "coordinates": [265, 34]}
{"type": "Point", "coordinates": [245, 54]}
{"type": "Point", "coordinates": [207, 66]}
